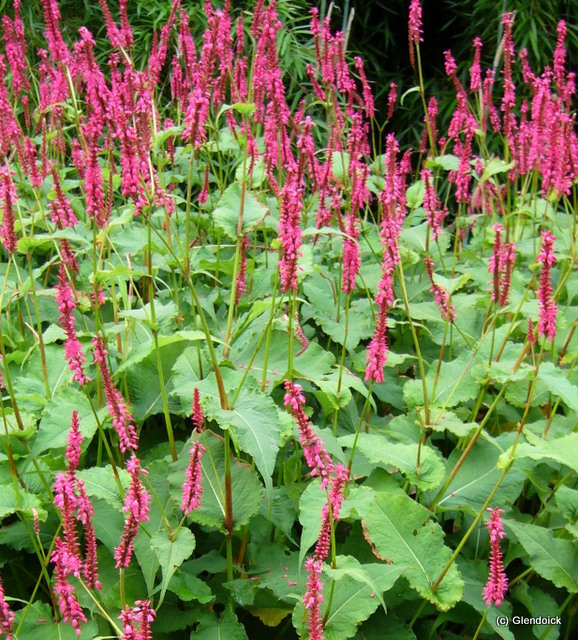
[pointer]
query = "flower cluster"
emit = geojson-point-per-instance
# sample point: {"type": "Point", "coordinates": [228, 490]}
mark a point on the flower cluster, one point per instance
{"type": "Point", "coordinates": [548, 308]}
{"type": "Point", "coordinates": [136, 622]}
{"type": "Point", "coordinates": [497, 584]}
{"type": "Point", "coordinates": [136, 505]}
{"type": "Point", "coordinates": [313, 448]}
{"type": "Point", "coordinates": [72, 500]}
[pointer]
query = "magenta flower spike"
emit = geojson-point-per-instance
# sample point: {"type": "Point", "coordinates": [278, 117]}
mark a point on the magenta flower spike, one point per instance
{"type": "Point", "coordinates": [548, 308]}
{"type": "Point", "coordinates": [313, 598]}
{"type": "Point", "coordinates": [6, 616]}
{"type": "Point", "coordinates": [497, 583]}
{"type": "Point", "coordinates": [315, 453]}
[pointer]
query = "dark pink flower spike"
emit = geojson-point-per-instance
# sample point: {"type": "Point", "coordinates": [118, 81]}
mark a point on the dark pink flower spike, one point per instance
{"type": "Point", "coordinates": [548, 308]}
{"type": "Point", "coordinates": [121, 417]}
{"type": "Point", "coordinates": [192, 488]}
{"type": "Point", "coordinates": [6, 616]}
{"type": "Point", "coordinates": [8, 199]}
{"type": "Point", "coordinates": [136, 505]}
{"type": "Point", "coordinates": [497, 583]}
{"type": "Point", "coordinates": [441, 295]}
{"type": "Point", "coordinates": [72, 348]}
{"type": "Point", "coordinates": [136, 622]}
{"type": "Point", "coordinates": [313, 598]}
{"type": "Point", "coordinates": [415, 28]}
{"type": "Point", "coordinates": [67, 603]}
{"type": "Point", "coordinates": [314, 450]}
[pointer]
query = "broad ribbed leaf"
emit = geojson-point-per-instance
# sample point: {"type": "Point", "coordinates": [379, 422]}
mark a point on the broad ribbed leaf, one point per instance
{"type": "Point", "coordinates": [387, 454]}
{"type": "Point", "coordinates": [401, 531]}
{"type": "Point", "coordinates": [230, 207]}
{"type": "Point", "coordinates": [227, 627]}
{"type": "Point", "coordinates": [256, 423]}
{"type": "Point", "coordinates": [553, 558]}
{"type": "Point", "coordinates": [478, 476]}
{"type": "Point", "coordinates": [171, 553]}
{"type": "Point", "coordinates": [563, 450]}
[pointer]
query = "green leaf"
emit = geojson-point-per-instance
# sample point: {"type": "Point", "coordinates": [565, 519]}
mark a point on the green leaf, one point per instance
{"type": "Point", "coordinates": [55, 423]}
{"type": "Point", "coordinates": [350, 566]}
{"type": "Point", "coordinates": [188, 587]}
{"type": "Point", "coordinates": [226, 215]}
{"type": "Point", "coordinates": [564, 450]}
{"type": "Point", "coordinates": [247, 489]}
{"type": "Point", "coordinates": [171, 553]}
{"type": "Point", "coordinates": [39, 625]}
{"type": "Point", "coordinates": [553, 558]}
{"type": "Point", "coordinates": [340, 165]}
{"type": "Point", "coordinates": [24, 504]}
{"type": "Point", "coordinates": [495, 166]}
{"type": "Point", "coordinates": [381, 451]}
{"type": "Point", "coordinates": [100, 483]}
{"type": "Point", "coordinates": [256, 424]}
{"type": "Point", "coordinates": [558, 384]}
{"type": "Point", "coordinates": [448, 162]}
{"type": "Point", "coordinates": [477, 477]}
{"type": "Point", "coordinates": [400, 530]}
{"type": "Point", "coordinates": [227, 627]}
{"type": "Point", "coordinates": [455, 384]}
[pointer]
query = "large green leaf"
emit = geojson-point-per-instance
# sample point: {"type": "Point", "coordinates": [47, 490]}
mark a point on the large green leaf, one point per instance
{"type": "Point", "coordinates": [39, 625]}
{"type": "Point", "coordinates": [232, 204]}
{"type": "Point", "coordinates": [256, 423]}
{"type": "Point", "coordinates": [478, 476]}
{"type": "Point", "coordinates": [563, 450]}
{"type": "Point", "coordinates": [455, 384]}
{"type": "Point", "coordinates": [225, 627]}
{"type": "Point", "coordinates": [558, 384]}
{"type": "Point", "coordinates": [171, 553]}
{"type": "Point", "coordinates": [387, 454]}
{"type": "Point", "coordinates": [553, 558]}
{"type": "Point", "coordinates": [247, 489]}
{"type": "Point", "coordinates": [23, 503]}
{"type": "Point", "coordinates": [55, 424]}
{"type": "Point", "coordinates": [401, 531]}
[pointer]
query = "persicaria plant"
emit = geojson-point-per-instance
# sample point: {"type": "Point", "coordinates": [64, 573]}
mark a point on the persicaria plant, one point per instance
{"type": "Point", "coordinates": [263, 368]}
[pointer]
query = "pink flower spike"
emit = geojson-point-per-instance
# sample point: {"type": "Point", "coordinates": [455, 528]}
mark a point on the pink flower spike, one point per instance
{"type": "Point", "coordinates": [192, 489]}
{"type": "Point", "coordinates": [497, 584]}
{"type": "Point", "coordinates": [415, 28]}
{"type": "Point", "coordinates": [313, 598]}
{"type": "Point", "coordinates": [548, 308]}
{"type": "Point", "coordinates": [314, 450]}
{"type": "Point", "coordinates": [136, 622]}
{"type": "Point", "coordinates": [6, 616]}
{"type": "Point", "coordinates": [197, 416]}
{"type": "Point", "coordinates": [136, 505]}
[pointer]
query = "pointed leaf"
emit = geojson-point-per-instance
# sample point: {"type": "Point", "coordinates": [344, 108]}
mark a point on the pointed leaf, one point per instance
{"type": "Point", "coordinates": [233, 202]}
{"type": "Point", "coordinates": [401, 531]}
{"type": "Point", "coordinates": [378, 450]}
{"type": "Point", "coordinates": [256, 424]}
{"type": "Point", "coordinates": [171, 553]}
{"type": "Point", "coordinates": [553, 558]}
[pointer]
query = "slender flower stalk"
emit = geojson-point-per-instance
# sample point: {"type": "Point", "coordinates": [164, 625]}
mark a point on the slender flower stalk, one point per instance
{"type": "Point", "coordinates": [497, 584]}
